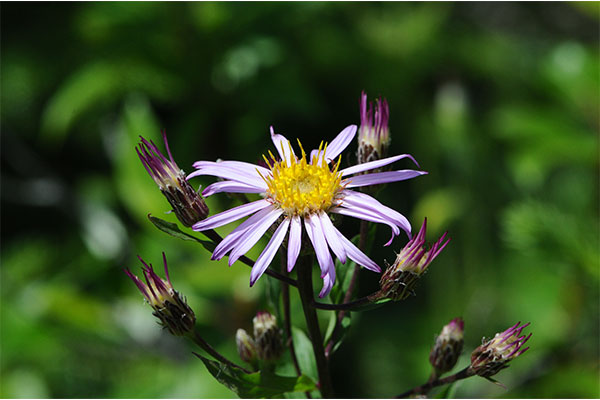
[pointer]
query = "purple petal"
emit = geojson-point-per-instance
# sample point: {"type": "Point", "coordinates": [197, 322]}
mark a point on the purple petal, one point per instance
{"type": "Point", "coordinates": [283, 146]}
{"type": "Point", "coordinates": [341, 141]}
{"type": "Point", "coordinates": [337, 145]}
{"type": "Point", "coordinates": [375, 164]}
{"type": "Point", "coordinates": [357, 200]}
{"type": "Point", "coordinates": [356, 255]}
{"type": "Point", "coordinates": [316, 236]}
{"type": "Point", "coordinates": [232, 170]}
{"type": "Point", "coordinates": [236, 236]}
{"type": "Point", "coordinates": [382, 177]}
{"type": "Point", "coordinates": [368, 216]}
{"type": "Point", "coordinates": [327, 285]}
{"type": "Point", "coordinates": [332, 239]}
{"type": "Point", "coordinates": [230, 215]}
{"type": "Point", "coordinates": [268, 253]}
{"type": "Point", "coordinates": [231, 187]}
{"type": "Point", "coordinates": [251, 236]}
{"type": "Point", "coordinates": [294, 242]}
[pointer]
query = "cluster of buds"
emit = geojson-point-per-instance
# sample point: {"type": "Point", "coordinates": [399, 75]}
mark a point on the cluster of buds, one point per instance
{"type": "Point", "coordinates": [448, 346]}
{"type": "Point", "coordinates": [495, 354]}
{"type": "Point", "coordinates": [267, 344]}
{"type": "Point", "coordinates": [188, 206]}
{"type": "Point", "coordinates": [400, 279]}
{"type": "Point", "coordinates": [169, 307]}
{"type": "Point", "coordinates": [373, 134]}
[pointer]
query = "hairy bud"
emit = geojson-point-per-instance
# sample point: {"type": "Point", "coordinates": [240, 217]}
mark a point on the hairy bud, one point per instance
{"type": "Point", "coordinates": [400, 279]}
{"type": "Point", "coordinates": [495, 354]}
{"type": "Point", "coordinates": [267, 336]}
{"type": "Point", "coordinates": [188, 206]}
{"type": "Point", "coordinates": [169, 307]}
{"type": "Point", "coordinates": [448, 346]}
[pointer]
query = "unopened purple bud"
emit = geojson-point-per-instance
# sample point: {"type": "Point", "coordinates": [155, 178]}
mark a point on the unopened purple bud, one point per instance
{"type": "Point", "coordinates": [189, 206]}
{"type": "Point", "coordinates": [495, 354]}
{"type": "Point", "coordinates": [169, 307]}
{"type": "Point", "coordinates": [267, 336]}
{"type": "Point", "coordinates": [245, 346]}
{"type": "Point", "coordinates": [400, 279]}
{"type": "Point", "coordinates": [448, 346]}
{"type": "Point", "coordinates": [373, 134]}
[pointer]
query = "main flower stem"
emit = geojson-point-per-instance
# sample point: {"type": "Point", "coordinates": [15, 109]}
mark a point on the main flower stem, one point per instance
{"type": "Point", "coordinates": [305, 289]}
{"type": "Point", "coordinates": [465, 373]}
{"type": "Point", "coordinates": [285, 295]}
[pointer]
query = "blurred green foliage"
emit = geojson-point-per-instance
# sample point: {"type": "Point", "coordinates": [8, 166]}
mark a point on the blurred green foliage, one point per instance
{"type": "Point", "coordinates": [498, 101]}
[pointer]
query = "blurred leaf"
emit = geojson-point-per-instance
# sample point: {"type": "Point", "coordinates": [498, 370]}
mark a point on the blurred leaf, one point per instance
{"type": "Point", "coordinates": [101, 84]}
{"type": "Point", "coordinates": [304, 353]}
{"type": "Point", "coordinates": [256, 385]}
{"type": "Point", "coordinates": [173, 230]}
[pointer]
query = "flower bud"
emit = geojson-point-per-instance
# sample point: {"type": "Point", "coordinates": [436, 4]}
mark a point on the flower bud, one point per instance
{"type": "Point", "coordinates": [400, 279]}
{"type": "Point", "coordinates": [267, 336]}
{"type": "Point", "coordinates": [373, 134]}
{"type": "Point", "coordinates": [172, 311]}
{"type": "Point", "coordinates": [188, 206]}
{"type": "Point", "coordinates": [245, 346]}
{"type": "Point", "coordinates": [448, 346]}
{"type": "Point", "coordinates": [495, 354]}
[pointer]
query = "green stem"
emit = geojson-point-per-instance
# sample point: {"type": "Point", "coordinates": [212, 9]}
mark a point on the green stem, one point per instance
{"type": "Point", "coordinates": [196, 338]}
{"type": "Point", "coordinates": [287, 316]}
{"type": "Point", "coordinates": [465, 373]}
{"type": "Point", "coordinates": [305, 289]}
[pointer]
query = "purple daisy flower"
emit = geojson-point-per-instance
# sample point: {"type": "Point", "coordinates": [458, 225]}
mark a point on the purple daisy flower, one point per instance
{"type": "Point", "coordinates": [301, 191]}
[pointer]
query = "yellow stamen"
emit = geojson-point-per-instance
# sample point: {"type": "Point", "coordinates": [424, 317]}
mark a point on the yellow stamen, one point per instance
{"type": "Point", "coordinates": [300, 188]}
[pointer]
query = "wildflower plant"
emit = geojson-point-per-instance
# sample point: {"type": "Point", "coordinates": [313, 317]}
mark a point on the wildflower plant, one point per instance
{"type": "Point", "coordinates": [298, 200]}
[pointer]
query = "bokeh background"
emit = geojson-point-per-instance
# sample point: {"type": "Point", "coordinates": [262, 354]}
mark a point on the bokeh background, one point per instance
{"type": "Point", "coordinates": [498, 101]}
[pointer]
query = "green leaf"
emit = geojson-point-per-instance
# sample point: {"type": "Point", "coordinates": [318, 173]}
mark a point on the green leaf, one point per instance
{"type": "Point", "coordinates": [304, 353]}
{"type": "Point", "coordinates": [256, 385]}
{"type": "Point", "coordinates": [173, 230]}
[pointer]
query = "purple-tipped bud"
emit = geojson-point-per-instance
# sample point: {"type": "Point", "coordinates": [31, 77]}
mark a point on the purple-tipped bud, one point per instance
{"type": "Point", "coordinates": [245, 346]}
{"type": "Point", "coordinates": [400, 279]}
{"type": "Point", "coordinates": [448, 346]}
{"type": "Point", "coordinates": [373, 134]}
{"type": "Point", "coordinates": [187, 204]}
{"type": "Point", "coordinates": [169, 307]}
{"type": "Point", "coordinates": [495, 354]}
{"type": "Point", "coordinates": [267, 336]}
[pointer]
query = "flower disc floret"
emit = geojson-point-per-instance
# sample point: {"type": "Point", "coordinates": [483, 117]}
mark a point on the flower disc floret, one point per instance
{"type": "Point", "coordinates": [301, 188]}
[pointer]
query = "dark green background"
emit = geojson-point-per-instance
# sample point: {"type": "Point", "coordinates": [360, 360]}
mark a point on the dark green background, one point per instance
{"type": "Point", "coordinates": [498, 101]}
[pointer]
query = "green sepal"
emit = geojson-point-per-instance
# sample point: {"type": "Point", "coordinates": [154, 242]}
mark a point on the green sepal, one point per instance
{"type": "Point", "coordinates": [173, 230]}
{"type": "Point", "coordinates": [257, 384]}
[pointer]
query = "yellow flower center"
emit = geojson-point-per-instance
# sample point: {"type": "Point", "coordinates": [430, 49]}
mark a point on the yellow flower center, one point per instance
{"type": "Point", "coordinates": [300, 188]}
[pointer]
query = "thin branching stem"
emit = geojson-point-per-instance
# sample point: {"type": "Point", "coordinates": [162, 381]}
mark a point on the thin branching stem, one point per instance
{"type": "Point", "coordinates": [362, 241]}
{"type": "Point", "coordinates": [203, 344]}
{"type": "Point", "coordinates": [465, 373]}
{"type": "Point", "coordinates": [350, 306]}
